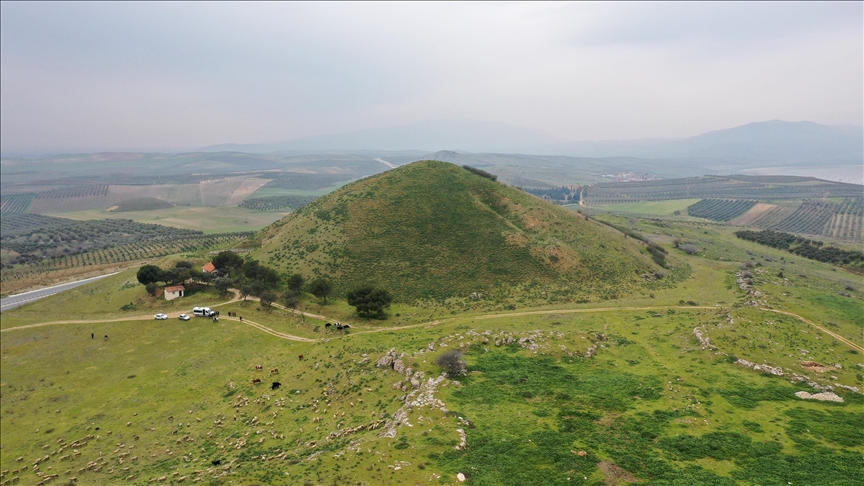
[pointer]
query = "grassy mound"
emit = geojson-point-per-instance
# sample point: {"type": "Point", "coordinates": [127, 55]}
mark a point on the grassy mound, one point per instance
{"type": "Point", "coordinates": [433, 230]}
{"type": "Point", "coordinates": [142, 204]}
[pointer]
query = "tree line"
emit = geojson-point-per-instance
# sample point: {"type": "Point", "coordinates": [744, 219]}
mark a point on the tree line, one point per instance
{"type": "Point", "coordinates": [252, 278]}
{"type": "Point", "coordinates": [807, 248]}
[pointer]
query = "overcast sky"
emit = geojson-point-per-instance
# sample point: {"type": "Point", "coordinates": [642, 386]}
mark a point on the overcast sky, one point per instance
{"type": "Point", "coordinates": [169, 75]}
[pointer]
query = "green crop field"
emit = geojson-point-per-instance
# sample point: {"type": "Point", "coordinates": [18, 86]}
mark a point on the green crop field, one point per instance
{"type": "Point", "coordinates": [206, 219]}
{"type": "Point", "coordinates": [653, 208]}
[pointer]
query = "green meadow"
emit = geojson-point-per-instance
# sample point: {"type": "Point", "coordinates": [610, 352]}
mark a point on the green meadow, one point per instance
{"type": "Point", "coordinates": [685, 379]}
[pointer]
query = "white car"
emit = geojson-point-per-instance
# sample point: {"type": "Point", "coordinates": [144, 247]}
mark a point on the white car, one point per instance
{"type": "Point", "coordinates": [160, 317]}
{"type": "Point", "coordinates": [183, 317]}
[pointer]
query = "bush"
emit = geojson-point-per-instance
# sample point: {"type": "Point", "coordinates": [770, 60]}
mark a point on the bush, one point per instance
{"type": "Point", "coordinates": [481, 173]}
{"type": "Point", "coordinates": [151, 288]}
{"type": "Point", "coordinates": [452, 363]}
{"type": "Point", "coordinates": [690, 249]}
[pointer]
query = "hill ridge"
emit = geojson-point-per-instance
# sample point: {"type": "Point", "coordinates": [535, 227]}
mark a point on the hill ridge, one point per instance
{"type": "Point", "coordinates": [433, 230]}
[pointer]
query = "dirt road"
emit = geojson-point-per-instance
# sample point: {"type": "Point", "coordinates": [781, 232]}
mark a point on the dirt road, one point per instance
{"type": "Point", "coordinates": [292, 337]}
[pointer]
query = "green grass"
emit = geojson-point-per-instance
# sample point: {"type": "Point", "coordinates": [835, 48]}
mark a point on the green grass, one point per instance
{"type": "Point", "coordinates": [433, 231]}
{"type": "Point", "coordinates": [654, 208]}
{"type": "Point", "coordinates": [207, 219]}
{"type": "Point", "coordinates": [650, 404]}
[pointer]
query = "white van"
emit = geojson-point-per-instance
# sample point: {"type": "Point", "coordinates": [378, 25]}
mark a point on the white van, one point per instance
{"type": "Point", "coordinates": [202, 312]}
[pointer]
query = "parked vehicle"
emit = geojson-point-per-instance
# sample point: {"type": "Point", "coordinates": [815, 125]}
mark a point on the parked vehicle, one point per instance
{"type": "Point", "coordinates": [202, 312]}
{"type": "Point", "coordinates": [160, 317]}
{"type": "Point", "coordinates": [183, 317]}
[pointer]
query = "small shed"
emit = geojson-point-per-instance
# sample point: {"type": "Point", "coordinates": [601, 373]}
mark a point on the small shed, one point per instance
{"type": "Point", "coordinates": [209, 268]}
{"type": "Point", "coordinates": [174, 291]}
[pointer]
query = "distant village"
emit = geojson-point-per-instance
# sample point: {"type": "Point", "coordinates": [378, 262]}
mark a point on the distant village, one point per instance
{"type": "Point", "coordinates": [630, 177]}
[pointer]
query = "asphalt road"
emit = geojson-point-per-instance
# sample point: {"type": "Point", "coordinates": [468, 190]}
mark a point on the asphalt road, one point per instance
{"type": "Point", "coordinates": [16, 300]}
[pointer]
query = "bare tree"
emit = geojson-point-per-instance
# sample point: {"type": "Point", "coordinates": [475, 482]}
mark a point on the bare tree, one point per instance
{"type": "Point", "coordinates": [452, 363]}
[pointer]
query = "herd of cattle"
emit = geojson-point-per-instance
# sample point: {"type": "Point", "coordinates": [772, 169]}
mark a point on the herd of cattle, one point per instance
{"type": "Point", "coordinates": [275, 385]}
{"type": "Point", "coordinates": [275, 371]}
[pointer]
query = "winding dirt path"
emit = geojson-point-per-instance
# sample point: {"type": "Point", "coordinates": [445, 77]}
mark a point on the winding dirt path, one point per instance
{"type": "Point", "coordinates": [817, 326]}
{"type": "Point", "coordinates": [436, 322]}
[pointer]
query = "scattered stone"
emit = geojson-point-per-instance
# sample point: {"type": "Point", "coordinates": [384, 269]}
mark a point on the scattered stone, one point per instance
{"type": "Point", "coordinates": [823, 396]}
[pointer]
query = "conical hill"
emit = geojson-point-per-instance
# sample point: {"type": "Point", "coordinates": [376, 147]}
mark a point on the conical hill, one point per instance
{"type": "Point", "coordinates": [433, 230]}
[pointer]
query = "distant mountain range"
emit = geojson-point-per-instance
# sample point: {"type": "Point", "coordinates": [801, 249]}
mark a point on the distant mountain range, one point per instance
{"type": "Point", "coordinates": [788, 143]}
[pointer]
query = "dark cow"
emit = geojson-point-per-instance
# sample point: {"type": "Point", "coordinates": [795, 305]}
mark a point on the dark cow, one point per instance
{"type": "Point", "coordinates": [300, 357]}
{"type": "Point", "coordinates": [275, 385]}
{"type": "Point", "coordinates": [255, 381]}
{"type": "Point", "coordinates": [328, 325]}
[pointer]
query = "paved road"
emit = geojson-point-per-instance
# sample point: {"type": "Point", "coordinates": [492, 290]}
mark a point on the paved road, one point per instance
{"type": "Point", "coordinates": [14, 301]}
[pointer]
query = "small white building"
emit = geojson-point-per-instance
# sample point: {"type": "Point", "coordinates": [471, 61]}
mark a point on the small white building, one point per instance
{"type": "Point", "coordinates": [174, 291]}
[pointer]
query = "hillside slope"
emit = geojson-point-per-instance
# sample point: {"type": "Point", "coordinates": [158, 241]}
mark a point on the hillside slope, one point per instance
{"type": "Point", "coordinates": [435, 230]}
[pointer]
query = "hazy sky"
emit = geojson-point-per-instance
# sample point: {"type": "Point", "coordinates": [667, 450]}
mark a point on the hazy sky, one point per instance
{"type": "Point", "coordinates": [169, 75]}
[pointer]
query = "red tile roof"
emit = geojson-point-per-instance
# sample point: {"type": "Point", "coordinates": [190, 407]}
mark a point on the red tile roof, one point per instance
{"type": "Point", "coordinates": [174, 288]}
{"type": "Point", "coordinates": [208, 268]}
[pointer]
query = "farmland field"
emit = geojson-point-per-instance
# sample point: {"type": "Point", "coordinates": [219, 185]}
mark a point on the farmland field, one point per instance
{"type": "Point", "coordinates": [753, 214]}
{"type": "Point", "coordinates": [15, 203]}
{"type": "Point", "coordinates": [658, 208]}
{"type": "Point", "coordinates": [720, 209]}
{"type": "Point", "coordinates": [206, 219]}
{"type": "Point", "coordinates": [811, 217]}
{"type": "Point", "coordinates": [763, 188]}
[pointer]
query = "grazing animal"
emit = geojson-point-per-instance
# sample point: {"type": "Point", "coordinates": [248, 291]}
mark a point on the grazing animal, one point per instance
{"type": "Point", "coordinates": [300, 357]}
{"type": "Point", "coordinates": [328, 325]}
{"type": "Point", "coordinates": [255, 381]}
{"type": "Point", "coordinates": [259, 367]}
{"type": "Point", "coordinates": [274, 371]}
{"type": "Point", "coordinates": [275, 385]}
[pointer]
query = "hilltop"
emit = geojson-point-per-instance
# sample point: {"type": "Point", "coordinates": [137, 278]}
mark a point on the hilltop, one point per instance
{"type": "Point", "coordinates": [433, 230]}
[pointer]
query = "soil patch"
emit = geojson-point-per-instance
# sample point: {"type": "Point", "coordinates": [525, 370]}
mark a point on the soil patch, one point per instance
{"type": "Point", "coordinates": [615, 475]}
